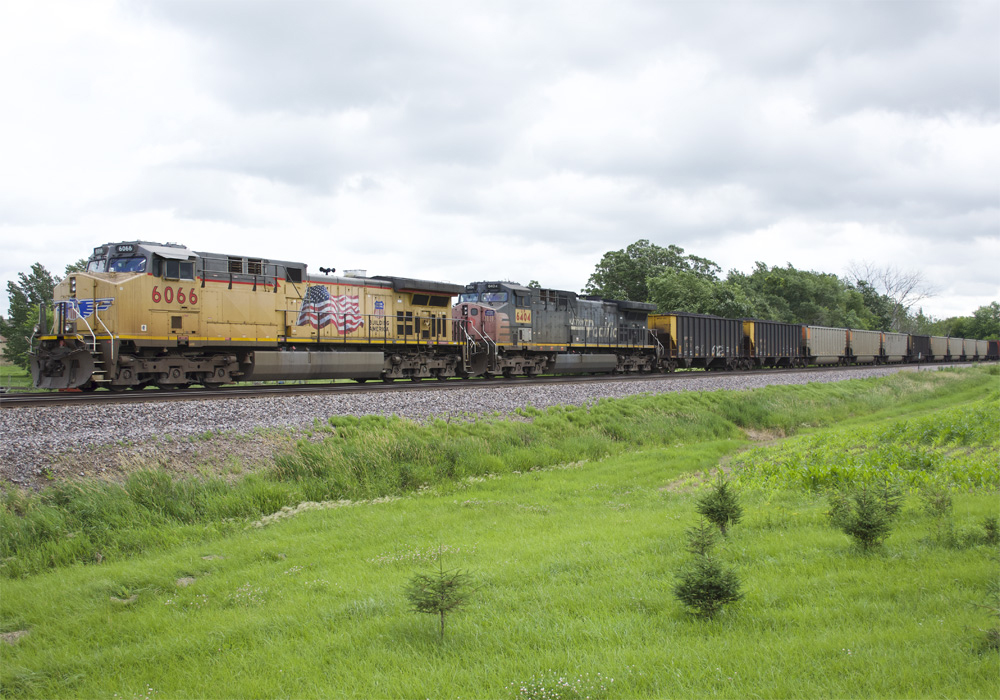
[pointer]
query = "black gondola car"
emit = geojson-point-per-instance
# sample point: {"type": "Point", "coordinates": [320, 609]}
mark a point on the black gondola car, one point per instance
{"type": "Point", "coordinates": [772, 344]}
{"type": "Point", "coordinates": [698, 340]}
{"type": "Point", "coordinates": [920, 348]}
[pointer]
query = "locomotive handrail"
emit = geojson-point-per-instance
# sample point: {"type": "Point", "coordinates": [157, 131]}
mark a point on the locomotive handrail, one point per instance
{"type": "Point", "coordinates": [660, 349]}
{"type": "Point", "coordinates": [97, 315]}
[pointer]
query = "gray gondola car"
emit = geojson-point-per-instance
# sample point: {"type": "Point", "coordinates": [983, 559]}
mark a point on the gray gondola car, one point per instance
{"type": "Point", "coordinates": [895, 347]}
{"type": "Point", "coordinates": [523, 330]}
{"type": "Point", "coordinates": [698, 340]}
{"type": "Point", "coordinates": [772, 344]}
{"type": "Point", "coordinates": [865, 346]}
{"type": "Point", "coordinates": [939, 348]}
{"type": "Point", "coordinates": [982, 348]}
{"type": "Point", "coordinates": [824, 346]}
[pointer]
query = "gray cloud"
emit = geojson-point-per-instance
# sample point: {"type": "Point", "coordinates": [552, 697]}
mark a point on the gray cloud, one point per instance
{"type": "Point", "coordinates": [422, 135]}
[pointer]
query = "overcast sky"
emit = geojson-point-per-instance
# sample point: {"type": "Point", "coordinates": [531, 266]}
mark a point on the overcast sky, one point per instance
{"type": "Point", "coordinates": [517, 140]}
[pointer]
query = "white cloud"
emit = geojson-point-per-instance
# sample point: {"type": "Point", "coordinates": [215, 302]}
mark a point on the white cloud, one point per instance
{"type": "Point", "coordinates": [466, 140]}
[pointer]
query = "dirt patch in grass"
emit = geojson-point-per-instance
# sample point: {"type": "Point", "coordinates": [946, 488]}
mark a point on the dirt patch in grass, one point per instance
{"type": "Point", "coordinates": [12, 637]}
{"type": "Point", "coordinates": [226, 456]}
{"type": "Point", "coordinates": [765, 435]}
{"type": "Point", "coordinates": [691, 482]}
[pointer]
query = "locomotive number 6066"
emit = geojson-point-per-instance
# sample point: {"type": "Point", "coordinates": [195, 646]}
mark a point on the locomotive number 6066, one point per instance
{"type": "Point", "coordinates": [169, 294]}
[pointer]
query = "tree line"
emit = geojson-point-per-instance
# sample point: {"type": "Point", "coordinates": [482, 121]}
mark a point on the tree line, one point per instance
{"type": "Point", "coordinates": [869, 297]}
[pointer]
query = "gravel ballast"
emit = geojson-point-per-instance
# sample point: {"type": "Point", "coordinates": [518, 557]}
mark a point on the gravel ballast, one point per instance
{"type": "Point", "coordinates": [228, 435]}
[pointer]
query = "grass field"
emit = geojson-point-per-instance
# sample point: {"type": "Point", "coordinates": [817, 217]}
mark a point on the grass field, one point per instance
{"type": "Point", "coordinates": [14, 378]}
{"type": "Point", "coordinates": [574, 552]}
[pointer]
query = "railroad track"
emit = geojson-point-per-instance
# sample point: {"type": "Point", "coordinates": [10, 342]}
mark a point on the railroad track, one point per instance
{"type": "Point", "coordinates": [12, 400]}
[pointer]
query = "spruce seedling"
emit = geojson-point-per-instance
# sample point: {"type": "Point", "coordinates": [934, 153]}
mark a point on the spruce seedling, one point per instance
{"type": "Point", "coordinates": [865, 516]}
{"type": "Point", "coordinates": [439, 592]}
{"type": "Point", "coordinates": [706, 586]}
{"type": "Point", "coordinates": [701, 538]}
{"type": "Point", "coordinates": [721, 505]}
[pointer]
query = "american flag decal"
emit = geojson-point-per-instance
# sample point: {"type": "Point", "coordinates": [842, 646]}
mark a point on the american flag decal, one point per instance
{"type": "Point", "coordinates": [319, 310]}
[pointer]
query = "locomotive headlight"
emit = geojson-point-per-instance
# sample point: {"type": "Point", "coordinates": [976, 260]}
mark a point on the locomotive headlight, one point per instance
{"type": "Point", "coordinates": [68, 328]}
{"type": "Point", "coordinates": [72, 285]}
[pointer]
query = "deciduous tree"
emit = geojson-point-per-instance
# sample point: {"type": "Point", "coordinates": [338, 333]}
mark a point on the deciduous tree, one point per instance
{"type": "Point", "coordinates": [23, 298]}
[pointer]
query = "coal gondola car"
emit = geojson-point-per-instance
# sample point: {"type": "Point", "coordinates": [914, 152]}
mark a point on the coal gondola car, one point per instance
{"type": "Point", "coordinates": [825, 346]}
{"type": "Point", "coordinates": [772, 344]}
{"type": "Point", "coordinates": [699, 341]}
{"type": "Point", "coordinates": [895, 347]}
{"type": "Point", "coordinates": [865, 347]}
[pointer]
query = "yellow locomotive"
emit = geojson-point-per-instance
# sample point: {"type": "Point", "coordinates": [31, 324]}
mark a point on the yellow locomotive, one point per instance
{"type": "Point", "coordinates": [162, 314]}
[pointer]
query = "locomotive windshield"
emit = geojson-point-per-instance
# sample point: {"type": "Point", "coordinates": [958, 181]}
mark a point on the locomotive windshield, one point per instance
{"type": "Point", "coordinates": [494, 296]}
{"type": "Point", "coordinates": [98, 265]}
{"type": "Point", "coordinates": [468, 297]}
{"type": "Point", "coordinates": [127, 265]}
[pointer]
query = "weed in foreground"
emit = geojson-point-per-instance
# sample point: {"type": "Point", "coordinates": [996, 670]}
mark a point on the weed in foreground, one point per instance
{"type": "Point", "coordinates": [554, 686]}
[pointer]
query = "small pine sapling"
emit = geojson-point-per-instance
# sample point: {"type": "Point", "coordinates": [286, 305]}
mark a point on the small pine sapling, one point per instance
{"type": "Point", "coordinates": [938, 504]}
{"type": "Point", "coordinates": [991, 530]}
{"type": "Point", "coordinates": [866, 516]}
{"type": "Point", "coordinates": [706, 586]}
{"type": "Point", "coordinates": [701, 538]}
{"type": "Point", "coordinates": [439, 592]}
{"type": "Point", "coordinates": [721, 505]}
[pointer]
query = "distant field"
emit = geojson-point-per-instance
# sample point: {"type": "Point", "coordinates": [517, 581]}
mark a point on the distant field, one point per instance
{"type": "Point", "coordinates": [13, 377]}
{"type": "Point", "coordinates": [571, 522]}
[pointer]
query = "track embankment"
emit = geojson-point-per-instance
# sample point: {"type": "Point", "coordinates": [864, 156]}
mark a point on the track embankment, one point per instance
{"type": "Point", "coordinates": [231, 435]}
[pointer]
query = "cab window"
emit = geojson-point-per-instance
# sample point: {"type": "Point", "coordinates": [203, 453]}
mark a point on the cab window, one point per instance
{"type": "Point", "coordinates": [468, 297]}
{"type": "Point", "coordinates": [495, 297]}
{"type": "Point", "coordinates": [178, 270]}
{"type": "Point", "coordinates": [99, 265]}
{"type": "Point", "coordinates": [127, 265]}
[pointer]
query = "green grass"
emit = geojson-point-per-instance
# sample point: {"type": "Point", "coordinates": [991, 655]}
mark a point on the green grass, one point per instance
{"type": "Point", "coordinates": [574, 567]}
{"type": "Point", "coordinates": [574, 564]}
{"type": "Point", "coordinates": [374, 456]}
{"type": "Point", "coordinates": [14, 378]}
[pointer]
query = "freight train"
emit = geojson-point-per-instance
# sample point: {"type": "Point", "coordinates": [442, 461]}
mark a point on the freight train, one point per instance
{"type": "Point", "coordinates": [152, 314]}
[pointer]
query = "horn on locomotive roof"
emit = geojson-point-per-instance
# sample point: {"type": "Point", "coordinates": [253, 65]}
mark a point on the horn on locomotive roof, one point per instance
{"type": "Point", "coordinates": [327, 270]}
